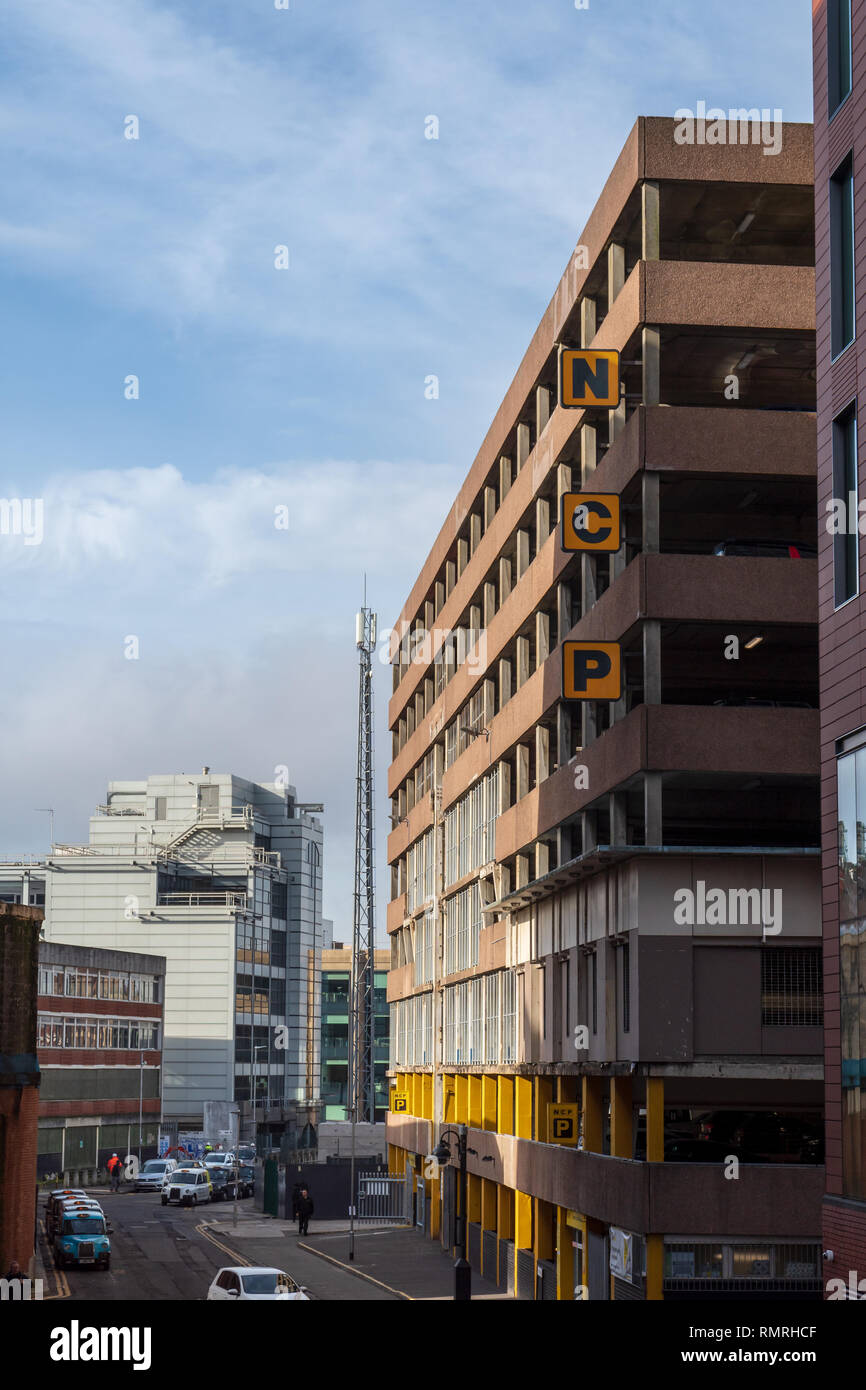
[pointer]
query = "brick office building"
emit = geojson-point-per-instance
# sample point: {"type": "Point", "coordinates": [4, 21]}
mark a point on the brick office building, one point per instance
{"type": "Point", "coordinates": [540, 845]}
{"type": "Point", "coordinates": [19, 1082]}
{"type": "Point", "coordinates": [840, 270]}
{"type": "Point", "coordinates": [100, 1052]}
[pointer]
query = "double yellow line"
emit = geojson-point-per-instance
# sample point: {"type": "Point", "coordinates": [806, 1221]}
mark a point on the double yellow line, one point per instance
{"type": "Point", "coordinates": [204, 1230]}
{"type": "Point", "coordinates": [60, 1279]}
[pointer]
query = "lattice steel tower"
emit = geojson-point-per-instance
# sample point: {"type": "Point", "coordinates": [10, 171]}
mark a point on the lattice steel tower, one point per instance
{"type": "Point", "coordinates": [362, 1091]}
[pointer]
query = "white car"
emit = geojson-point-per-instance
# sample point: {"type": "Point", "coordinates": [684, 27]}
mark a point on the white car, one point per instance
{"type": "Point", "coordinates": [153, 1174]}
{"type": "Point", "coordinates": [188, 1186]}
{"type": "Point", "coordinates": [219, 1160]}
{"type": "Point", "coordinates": [254, 1284]}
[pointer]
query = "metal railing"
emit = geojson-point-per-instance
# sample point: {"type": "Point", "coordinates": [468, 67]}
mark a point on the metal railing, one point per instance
{"type": "Point", "coordinates": [108, 810]}
{"type": "Point", "coordinates": [207, 899]}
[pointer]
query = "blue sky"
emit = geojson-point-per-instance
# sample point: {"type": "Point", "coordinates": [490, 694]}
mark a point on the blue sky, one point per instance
{"type": "Point", "coordinates": [262, 387]}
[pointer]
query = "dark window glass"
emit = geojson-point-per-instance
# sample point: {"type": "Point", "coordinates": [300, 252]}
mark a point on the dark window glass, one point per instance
{"type": "Point", "coordinates": [845, 489]}
{"type": "Point", "coordinates": [838, 53]}
{"type": "Point", "coordinates": [842, 256]}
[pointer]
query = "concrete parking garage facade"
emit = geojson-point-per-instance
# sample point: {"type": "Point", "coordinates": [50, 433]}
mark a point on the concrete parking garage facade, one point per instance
{"type": "Point", "coordinates": [539, 844]}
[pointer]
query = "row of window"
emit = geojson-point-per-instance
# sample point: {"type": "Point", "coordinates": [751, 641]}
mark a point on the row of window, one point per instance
{"type": "Point", "coordinates": [463, 924]}
{"type": "Point", "coordinates": [480, 1020]}
{"type": "Point", "coordinates": [419, 872]}
{"type": "Point", "coordinates": [470, 827]}
{"type": "Point", "coordinates": [141, 1034]}
{"type": "Point", "coordinates": [412, 1032]}
{"type": "Point", "coordinates": [81, 982]}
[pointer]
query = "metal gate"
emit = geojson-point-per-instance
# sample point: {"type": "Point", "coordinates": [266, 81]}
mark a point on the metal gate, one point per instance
{"type": "Point", "coordinates": [383, 1200]}
{"type": "Point", "coordinates": [420, 1202]}
{"type": "Point", "coordinates": [272, 1187]}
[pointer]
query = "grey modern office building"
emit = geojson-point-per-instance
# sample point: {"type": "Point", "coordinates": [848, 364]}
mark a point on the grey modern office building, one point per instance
{"type": "Point", "coordinates": [223, 878]}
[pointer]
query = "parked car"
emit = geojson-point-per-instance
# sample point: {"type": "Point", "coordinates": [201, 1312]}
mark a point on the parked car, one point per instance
{"type": "Point", "coordinates": [153, 1174]}
{"type": "Point", "coordinates": [219, 1160]}
{"type": "Point", "coordinates": [766, 1136]}
{"type": "Point", "coordinates": [246, 1180]}
{"type": "Point", "coordinates": [698, 1151]}
{"type": "Point", "coordinates": [222, 1184]}
{"type": "Point", "coordinates": [188, 1187]}
{"type": "Point", "coordinates": [254, 1285]}
{"type": "Point", "coordinates": [771, 550]}
{"type": "Point", "coordinates": [81, 1238]}
{"type": "Point", "coordinates": [247, 1153]}
{"type": "Point", "coordinates": [55, 1200]}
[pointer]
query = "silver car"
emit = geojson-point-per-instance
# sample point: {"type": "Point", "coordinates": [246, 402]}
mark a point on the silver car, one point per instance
{"type": "Point", "coordinates": [153, 1174]}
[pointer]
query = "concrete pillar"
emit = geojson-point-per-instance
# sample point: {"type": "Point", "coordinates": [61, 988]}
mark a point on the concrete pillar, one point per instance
{"type": "Point", "coordinates": [542, 753]}
{"type": "Point", "coordinates": [438, 597]}
{"type": "Point", "coordinates": [564, 748]}
{"type": "Point", "coordinates": [588, 454]}
{"type": "Point", "coordinates": [504, 580]}
{"type": "Point", "coordinates": [542, 409]}
{"type": "Point", "coordinates": [587, 321]}
{"type": "Point", "coordinates": [429, 615]}
{"type": "Point", "coordinates": [462, 556]}
{"type": "Point", "coordinates": [438, 763]}
{"type": "Point", "coordinates": [651, 519]}
{"type": "Point", "coordinates": [474, 532]}
{"type": "Point", "coordinates": [521, 780]}
{"type": "Point", "coordinates": [542, 638]}
{"type": "Point", "coordinates": [542, 858]}
{"type": "Point", "coordinates": [429, 698]}
{"type": "Point", "coordinates": [651, 373]}
{"type": "Point", "coordinates": [522, 645]}
{"type": "Point", "coordinates": [542, 522]}
{"type": "Point", "coordinates": [489, 506]}
{"type": "Point", "coordinates": [616, 421]}
{"type": "Point", "coordinates": [450, 577]}
{"type": "Point", "coordinates": [563, 611]}
{"type": "Point", "coordinates": [588, 594]}
{"type": "Point", "coordinates": [564, 844]}
{"type": "Point", "coordinates": [521, 874]}
{"type": "Point", "coordinates": [618, 812]}
{"type": "Point", "coordinates": [650, 222]}
{"type": "Point", "coordinates": [489, 602]}
{"type": "Point", "coordinates": [523, 559]}
{"type": "Point", "coordinates": [589, 723]}
{"type": "Point", "coordinates": [615, 272]}
{"type": "Point", "coordinates": [505, 687]}
{"type": "Point", "coordinates": [652, 661]}
{"type": "Point", "coordinates": [563, 485]}
{"type": "Point", "coordinates": [589, 831]}
{"type": "Point", "coordinates": [504, 477]}
{"type": "Point", "coordinates": [652, 792]}
{"type": "Point", "coordinates": [504, 788]}
{"type": "Point", "coordinates": [502, 880]}
{"type": "Point", "coordinates": [474, 623]}
{"type": "Point", "coordinates": [522, 445]}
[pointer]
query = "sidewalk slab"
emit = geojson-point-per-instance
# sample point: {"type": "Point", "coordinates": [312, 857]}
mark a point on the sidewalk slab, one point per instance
{"type": "Point", "coordinates": [400, 1259]}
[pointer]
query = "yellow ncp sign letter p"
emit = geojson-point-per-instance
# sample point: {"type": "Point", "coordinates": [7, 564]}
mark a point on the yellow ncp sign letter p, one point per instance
{"type": "Point", "coordinates": [591, 671]}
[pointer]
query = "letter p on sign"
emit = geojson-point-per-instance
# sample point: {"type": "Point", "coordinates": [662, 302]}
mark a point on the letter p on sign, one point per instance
{"type": "Point", "coordinates": [591, 671]}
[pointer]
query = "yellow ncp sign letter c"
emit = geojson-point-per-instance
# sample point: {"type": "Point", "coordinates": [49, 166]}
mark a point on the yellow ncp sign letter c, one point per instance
{"type": "Point", "coordinates": [590, 521]}
{"type": "Point", "coordinates": [591, 671]}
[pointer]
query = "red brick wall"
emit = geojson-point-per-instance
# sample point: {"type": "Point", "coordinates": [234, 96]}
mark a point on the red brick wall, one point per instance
{"type": "Point", "coordinates": [18, 1122]}
{"type": "Point", "coordinates": [845, 1235]}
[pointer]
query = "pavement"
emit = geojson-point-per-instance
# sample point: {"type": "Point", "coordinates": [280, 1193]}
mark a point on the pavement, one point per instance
{"type": "Point", "coordinates": [174, 1252]}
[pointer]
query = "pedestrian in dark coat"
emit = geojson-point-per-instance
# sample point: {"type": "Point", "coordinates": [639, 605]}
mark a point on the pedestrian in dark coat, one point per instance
{"type": "Point", "coordinates": [305, 1211]}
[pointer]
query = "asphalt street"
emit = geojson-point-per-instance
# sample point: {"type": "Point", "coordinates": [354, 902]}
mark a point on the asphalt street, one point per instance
{"type": "Point", "coordinates": [174, 1252]}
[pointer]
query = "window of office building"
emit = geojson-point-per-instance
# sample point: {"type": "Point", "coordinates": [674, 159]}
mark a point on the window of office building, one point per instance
{"type": "Point", "coordinates": [842, 256]}
{"type": "Point", "coordinates": [838, 53]}
{"type": "Point", "coordinates": [846, 569]}
{"type": "Point", "coordinates": [851, 786]}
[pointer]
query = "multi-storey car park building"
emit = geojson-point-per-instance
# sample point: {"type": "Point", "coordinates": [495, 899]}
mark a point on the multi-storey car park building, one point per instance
{"type": "Point", "coordinates": [214, 873]}
{"type": "Point", "coordinates": [553, 862]}
{"type": "Point", "coordinates": [840, 143]}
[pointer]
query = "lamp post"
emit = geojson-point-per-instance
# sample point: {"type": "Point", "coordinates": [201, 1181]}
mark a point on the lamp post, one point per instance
{"type": "Point", "coordinates": [140, 1102]}
{"type": "Point", "coordinates": [462, 1267]}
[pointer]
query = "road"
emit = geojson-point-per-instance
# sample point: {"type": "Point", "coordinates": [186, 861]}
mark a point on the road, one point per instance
{"type": "Point", "coordinates": [162, 1252]}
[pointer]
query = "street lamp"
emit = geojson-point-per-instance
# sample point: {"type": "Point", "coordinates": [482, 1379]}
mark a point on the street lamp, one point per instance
{"type": "Point", "coordinates": [462, 1267]}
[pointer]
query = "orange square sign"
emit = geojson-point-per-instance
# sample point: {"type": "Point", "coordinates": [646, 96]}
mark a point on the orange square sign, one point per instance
{"type": "Point", "coordinates": [590, 521]}
{"type": "Point", "coordinates": [588, 380]}
{"type": "Point", "coordinates": [591, 671]}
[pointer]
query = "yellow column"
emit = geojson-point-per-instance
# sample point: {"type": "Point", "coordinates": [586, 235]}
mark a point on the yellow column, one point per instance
{"type": "Point", "coordinates": [461, 1099]}
{"type": "Point", "coordinates": [592, 1123]}
{"type": "Point", "coordinates": [522, 1226]}
{"type": "Point", "coordinates": [473, 1197]}
{"type": "Point", "coordinates": [565, 1279]}
{"type": "Point", "coordinates": [523, 1107]}
{"type": "Point", "coordinates": [543, 1098]}
{"type": "Point", "coordinates": [448, 1098]}
{"type": "Point", "coordinates": [504, 1212]}
{"type": "Point", "coordinates": [568, 1089]}
{"type": "Point", "coordinates": [427, 1096]}
{"type": "Point", "coordinates": [621, 1138]}
{"type": "Point", "coordinates": [655, 1119]}
{"type": "Point", "coordinates": [488, 1102]}
{"type": "Point", "coordinates": [655, 1250]}
{"type": "Point", "coordinates": [544, 1230]}
{"type": "Point", "coordinates": [474, 1102]}
{"type": "Point", "coordinates": [488, 1222]}
{"type": "Point", "coordinates": [505, 1104]}
{"type": "Point", "coordinates": [396, 1159]}
{"type": "Point", "coordinates": [417, 1093]}
{"type": "Point", "coordinates": [435, 1208]}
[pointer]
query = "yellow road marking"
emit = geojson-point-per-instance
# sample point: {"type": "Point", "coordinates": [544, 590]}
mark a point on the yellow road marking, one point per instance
{"type": "Point", "coordinates": [60, 1279]}
{"type": "Point", "coordinates": [239, 1259]}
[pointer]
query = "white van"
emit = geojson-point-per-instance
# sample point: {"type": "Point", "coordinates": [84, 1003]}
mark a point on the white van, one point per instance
{"type": "Point", "coordinates": [153, 1173]}
{"type": "Point", "coordinates": [218, 1159]}
{"type": "Point", "coordinates": [187, 1186]}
